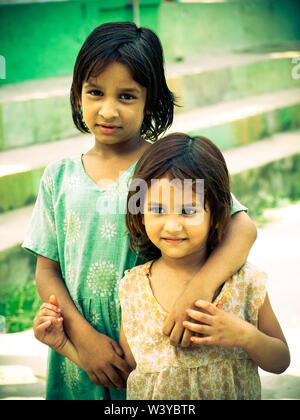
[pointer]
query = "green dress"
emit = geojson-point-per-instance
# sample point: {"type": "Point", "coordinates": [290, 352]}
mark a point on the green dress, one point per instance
{"type": "Point", "coordinates": [83, 227]}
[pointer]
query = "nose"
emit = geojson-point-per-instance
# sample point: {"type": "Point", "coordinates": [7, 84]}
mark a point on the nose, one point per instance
{"type": "Point", "coordinates": [108, 110]}
{"type": "Point", "coordinates": [173, 224]}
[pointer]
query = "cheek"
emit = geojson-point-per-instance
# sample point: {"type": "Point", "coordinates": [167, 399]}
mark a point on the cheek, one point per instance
{"type": "Point", "coordinates": [152, 227]}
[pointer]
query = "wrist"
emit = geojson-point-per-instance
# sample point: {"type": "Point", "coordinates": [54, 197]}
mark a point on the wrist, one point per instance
{"type": "Point", "coordinates": [204, 285]}
{"type": "Point", "coordinates": [247, 336]}
{"type": "Point", "coordinates": [79, 334]}
{"type": "Point", "coordinates": [60, 347]}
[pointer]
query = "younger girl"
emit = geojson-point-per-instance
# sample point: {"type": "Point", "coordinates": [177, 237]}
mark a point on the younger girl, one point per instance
{"type": "Point", "coordinates": [119, 94]}
{"type": "Point", "coordinates": [240, 329]}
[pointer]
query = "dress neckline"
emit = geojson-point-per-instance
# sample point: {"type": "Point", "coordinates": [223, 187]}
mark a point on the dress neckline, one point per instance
{"type": "Point", "coordinates": [113, 185]}
{"type": "Point", "coordinates": [157, 305]}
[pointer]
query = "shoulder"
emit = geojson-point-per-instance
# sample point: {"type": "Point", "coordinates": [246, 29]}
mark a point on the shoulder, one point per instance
{"type": "Point", "coordinates": [131, 282]}
{"type": "Point", "coordinates": [251, 274]}
{"type": "Point", "coordinates": [253, 281]}
{"type": "Point", "coordinates": [139, 269]}
{"type": "Point", "coordinates": [60, 166]}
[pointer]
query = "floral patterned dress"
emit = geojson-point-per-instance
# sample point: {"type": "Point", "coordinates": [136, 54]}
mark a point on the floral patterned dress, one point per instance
{"type": "Point", "coordinates": [82, 227]}
{"type": "Point", "coordinates": [164, 372]}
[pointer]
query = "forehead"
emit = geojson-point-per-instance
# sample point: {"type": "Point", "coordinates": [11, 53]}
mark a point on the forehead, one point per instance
{"type": "Point", "coordinates": [164, 189]}
{"type": "Point", "coordinates": [113, 73]}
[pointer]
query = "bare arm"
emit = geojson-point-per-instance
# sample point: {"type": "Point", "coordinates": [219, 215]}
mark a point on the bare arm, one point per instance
{"type": "Point", "coordinates": [49, 281]}
{"type": "Point", "coordinates": [48, 328]}
{"type": "Point", "coordinates": [100, 356]}
{"type": "Point", "coordinates": [225, 260]}
{"type": "Point", "coordinates": [266, 345]}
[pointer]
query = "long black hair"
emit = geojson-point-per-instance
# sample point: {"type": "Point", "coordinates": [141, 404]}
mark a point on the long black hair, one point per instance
{"type": "Point", "coordinates": [141, 51]}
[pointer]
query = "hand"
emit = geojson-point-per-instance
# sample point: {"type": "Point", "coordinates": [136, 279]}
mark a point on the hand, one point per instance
{"type": "Point", "coordinates": [102, 359]}
{"type": "Point", "coordinates": [219, 327]}
{"type": "Point", "coordinates": [173, 326]}
{"type": "Point", "coordinates": [48, 326]}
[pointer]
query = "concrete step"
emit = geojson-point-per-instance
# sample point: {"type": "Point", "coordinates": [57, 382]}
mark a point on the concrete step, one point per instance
{"type": "Point", "coordinates": [38, 112]}
{"type": "Point", "coordinates": [264, 172]}
{"type": "Point", "coordinates": [35, 112]}
{"type": "Point", "coordinates": [229, 124]}
{"type": "Point", "coordinates": [243, 121]}
{"type": "Point", "coordinates": [23, 364]}
{"type": "Point", "coordinates": [259, 172]}
{"type": "Point", "coordinates": [210, 79]}
{"type": "Point", "coordinates": [21, 169]}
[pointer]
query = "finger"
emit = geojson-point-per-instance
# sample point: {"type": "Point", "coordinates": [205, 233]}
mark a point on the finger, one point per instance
{"type": "Point", "coordinates": [46, 314]}
{"type": "Point", "coordinates": [198, 328]}
{"type": "Point", "coordinates": [207, 306]}
{"type": "Point", "coordinates": [176, 335]}
{"type": "Point", "coordinates": [122, 365]}
{"type": "Point", "coordinates": [50, 307]}
{"type": "Point", "coordinates": [206, 341]}
{"type": "Point", "coordinates": [108, 378]}
{"type": "Point", "coordinates": [43, 326]}
{"type": "Point", "coordinates": [168, 326]}
{"type": "Point", "coordinates": [186, 338]}
{"type": "Point", "coordinates": [94, 379]}
{"type": "Point", "coordinates": [53, 300]}
{"type": "Point", "coordinates": [53, 320]}
{"type": "Point", "coordinates": [199, 316]}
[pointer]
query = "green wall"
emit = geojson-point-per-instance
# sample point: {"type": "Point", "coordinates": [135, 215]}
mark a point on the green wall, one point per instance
{"type": "Point", "coordinates": [40, 40]}
{"type": "Point", "coordinates": [188, 29]}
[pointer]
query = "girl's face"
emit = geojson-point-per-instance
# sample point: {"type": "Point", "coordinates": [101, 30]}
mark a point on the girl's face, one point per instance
{"type": "Point", "coordinates": [113, 105]}
{"type": "Point", "coordinates": [177, 225]}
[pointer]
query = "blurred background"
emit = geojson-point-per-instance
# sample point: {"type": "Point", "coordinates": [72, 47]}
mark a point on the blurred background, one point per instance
{"type": "Point", "coordinates": [235, 68]}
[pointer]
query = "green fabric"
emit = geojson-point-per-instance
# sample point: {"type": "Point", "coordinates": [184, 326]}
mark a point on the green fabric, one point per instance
{"type": "Point", "coordinates": [71, 224]}
{"type": "Point", "coordinates": [237, 206]}
{"type": "Point", "coordinates": [83, 227]}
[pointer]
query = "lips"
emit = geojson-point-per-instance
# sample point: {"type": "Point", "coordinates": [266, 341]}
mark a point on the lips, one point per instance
{"type": "Point", "coordinates": [107, 128]}
{"type": "Point", "coordinates": [174, 241]}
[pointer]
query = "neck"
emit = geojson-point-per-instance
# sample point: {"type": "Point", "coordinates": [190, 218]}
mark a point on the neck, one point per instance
{"type": "Point", "coordinates": [119, 150]}
{"type": "Point", "coordinates": [188, 265]}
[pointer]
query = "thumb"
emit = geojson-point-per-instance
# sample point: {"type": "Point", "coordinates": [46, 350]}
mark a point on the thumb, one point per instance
{"type": "Point", "coordinates": [53, 300]}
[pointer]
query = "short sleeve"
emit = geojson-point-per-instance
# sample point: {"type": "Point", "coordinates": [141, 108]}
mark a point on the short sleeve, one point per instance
{"type": "Point", "coordinates": [236, 205]}
{"type": "Point", "coordinates": [41, 237]}
{"type": "Point", "coordinates": [125, 292]}
{"type": "Point", "coordinates": [129, 294]}
{"type": "Point", "coordinates": [255, 291]}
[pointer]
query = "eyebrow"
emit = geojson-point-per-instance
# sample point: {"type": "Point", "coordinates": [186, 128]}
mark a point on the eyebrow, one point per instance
{"type": "Point", "coordinates": [160, 204]}
{"type": "Point", "coordinates": [129, 90]}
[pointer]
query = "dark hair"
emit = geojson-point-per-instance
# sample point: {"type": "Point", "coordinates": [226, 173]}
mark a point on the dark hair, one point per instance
{"type": "Point", "coordinates": [182, 157]}
{"type": "Point", "coordinates": [140, 50]}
